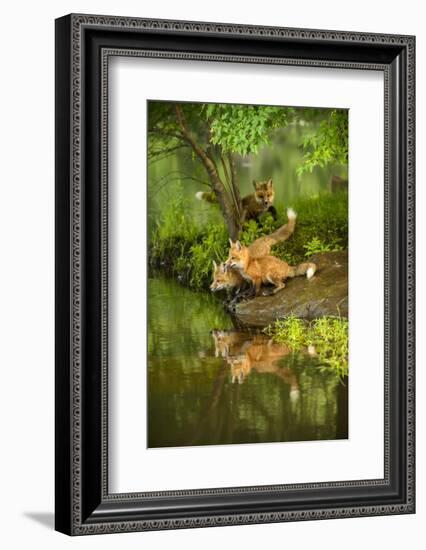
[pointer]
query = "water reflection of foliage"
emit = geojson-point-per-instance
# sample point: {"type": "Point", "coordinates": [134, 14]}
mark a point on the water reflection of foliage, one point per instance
{"type": "Point", "coordinates": [195, 403]}
{"type": "Point", "coordinates": [328, 335]}
{"type": "Point", "coordinates": [175, 310]}
{"type": "Point", "coordinates": [191, 397]}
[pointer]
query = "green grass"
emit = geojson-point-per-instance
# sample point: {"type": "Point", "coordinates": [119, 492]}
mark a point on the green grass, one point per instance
{"type": "Point", "coordinates": [184, 249]}
{"type": "Point", "coordinates": [327, 337]}
{"type": "Point", "coordinates": [322, 226]}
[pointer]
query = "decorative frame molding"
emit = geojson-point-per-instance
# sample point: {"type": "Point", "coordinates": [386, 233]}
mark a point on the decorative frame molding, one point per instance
{"type": "Point", "coordinates": [84, 44]}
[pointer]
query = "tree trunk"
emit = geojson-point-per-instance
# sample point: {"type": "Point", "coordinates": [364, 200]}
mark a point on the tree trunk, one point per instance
{"type": "Point", "coordinates": [235, 186]}
{"type": "Point", "coordinates": [230, 216]}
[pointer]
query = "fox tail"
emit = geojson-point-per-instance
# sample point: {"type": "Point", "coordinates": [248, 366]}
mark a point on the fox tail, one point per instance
{"type": "Point", "coordinates": [285, 231]}
{"type": "Point", "coordinates": [208, 196]}
{"type": "Point", "coordinates": [307, 268]}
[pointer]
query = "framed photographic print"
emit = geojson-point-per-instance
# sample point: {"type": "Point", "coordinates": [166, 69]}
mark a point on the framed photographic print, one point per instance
{"type": "Point", "coordinates": [234, 274]}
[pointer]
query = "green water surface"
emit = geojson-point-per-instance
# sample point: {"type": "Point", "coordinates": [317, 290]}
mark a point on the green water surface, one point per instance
{"type": "Point", "coordinates": [211, 384]}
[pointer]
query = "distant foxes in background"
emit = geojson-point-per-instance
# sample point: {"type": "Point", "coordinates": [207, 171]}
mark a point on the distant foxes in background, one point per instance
{"type": "Point", "coordinates": [266, 269]}
{"type": "Point", "coordinates": [225, 278]}
{"type": "Point", "coordinates": [253, 205]}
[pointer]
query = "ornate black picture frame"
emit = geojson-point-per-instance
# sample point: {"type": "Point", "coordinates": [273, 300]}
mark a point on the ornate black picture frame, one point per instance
{"type": "Point", "coordinates": [83, 45]}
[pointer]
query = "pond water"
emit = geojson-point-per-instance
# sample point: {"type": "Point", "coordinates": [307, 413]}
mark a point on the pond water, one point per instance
{"type": "Point", "coordinates": [210, 383]}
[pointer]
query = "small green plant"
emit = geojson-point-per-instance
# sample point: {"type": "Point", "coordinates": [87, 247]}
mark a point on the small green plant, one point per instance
{"type": "Point", "coordinates": [203, 253]}
{"type": "Point", "coordinates": [252, 230]}
{"type": "Point", "coordinates": [330, 338]}
{"type": "Point", "coordinates": [326, 337]}
{"type": "Point", "coordinates": [316, 245]}
{"type": "Point", "coordinates": [290, 331]}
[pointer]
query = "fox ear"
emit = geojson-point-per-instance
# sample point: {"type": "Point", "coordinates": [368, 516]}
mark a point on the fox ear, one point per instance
{"type": "Point", "coordinates": [255, 184]}
{"type": "Point", "coordinates": [231, 243]}
{"type": "Point", "coordinates": [269, 183]}
{"type": "Point", "coordinates": [238, 245]}
{"type": "Point", "coordinates": [214, 265]}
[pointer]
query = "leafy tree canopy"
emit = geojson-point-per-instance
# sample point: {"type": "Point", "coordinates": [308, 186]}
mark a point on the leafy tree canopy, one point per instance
{"type": "Point", "coordinates": [244, 128]}
{"type": "Point", "coordinates": [214, 133]}
{"type": "Point", "coordinates": [328, 143]}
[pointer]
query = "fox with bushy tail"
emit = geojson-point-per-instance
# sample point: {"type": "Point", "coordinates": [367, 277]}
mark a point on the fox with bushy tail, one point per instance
{"type": "Point", "coordinates": [266, 269]}
{"type": "Point", "coordinates": [225, 278]}
{"type": "Point", "coordinates": [262, 246]}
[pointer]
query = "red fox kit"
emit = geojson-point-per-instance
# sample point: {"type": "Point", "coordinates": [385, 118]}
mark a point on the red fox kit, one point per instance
{"type": "Point", "coordinates": [254, 204]}
{"type": "Point", "coordinates": [267, 269]}
{"type": "Point", "coordinates": [225, 278]}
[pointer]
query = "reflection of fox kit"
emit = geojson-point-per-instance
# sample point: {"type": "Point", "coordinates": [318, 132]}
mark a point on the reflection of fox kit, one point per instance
{"type": "Point", "coordinates": [262, 356]}
{"type": "Point", "coordinates": [267, 269]}
{"type": "Point", "coordinates": [225, 278]}
{"type": "Point", "coordinates": [253, 205]}
{"type": "Point", "coordinates": [227, 342]}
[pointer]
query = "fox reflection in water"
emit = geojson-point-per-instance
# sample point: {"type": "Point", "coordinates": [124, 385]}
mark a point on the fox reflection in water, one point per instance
{"type": "Point", "coordinates": [244, 353]}
{"type": "Point", "coordinates": [232, 386]}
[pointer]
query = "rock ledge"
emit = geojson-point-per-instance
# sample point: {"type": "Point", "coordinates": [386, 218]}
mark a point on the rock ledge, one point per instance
{"type": "Point", "coordinates": [325, 294]}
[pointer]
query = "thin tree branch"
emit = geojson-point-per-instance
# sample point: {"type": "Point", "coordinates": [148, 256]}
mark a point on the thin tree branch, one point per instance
{"type": "Point", "coordinates": [164, 180]}
{"type": "Point", "coordinates": [153, 153]}
{"type": "Point", "coordinates": [234, 184]}
{"type": "Point", "coordinates": [218, 187]}
{"type": "Point", "coordinates": [166, 133]}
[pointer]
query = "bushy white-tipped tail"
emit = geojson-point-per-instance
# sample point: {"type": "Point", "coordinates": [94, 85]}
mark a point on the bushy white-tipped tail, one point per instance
{"type": "Point", "coordinates": [310, 272]}
{"type": "Point", "coordinates": [291, 214]}
{"type": "Point", "coordinates": [311, 350]}
{"type": "Point", "coordinates": [199, 195]}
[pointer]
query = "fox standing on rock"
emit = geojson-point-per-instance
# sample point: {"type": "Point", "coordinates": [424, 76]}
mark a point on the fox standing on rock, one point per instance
{"type": "Point", "coordinates": [225, 278]}
{"type": "Point", "coordinates": [266, 269]}
{"type": "Point", "coordinates": [253, 205]}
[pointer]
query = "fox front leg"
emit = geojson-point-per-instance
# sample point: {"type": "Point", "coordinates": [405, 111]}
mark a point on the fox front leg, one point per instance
{"type": "Point", "coordinates": [257, 285]}
{"type": "Point", "coordinates": [243, 216]}
{"type": "Point", "coordinates": [272, 210]}
{"type": "Point", "coordinates": [232, 302]}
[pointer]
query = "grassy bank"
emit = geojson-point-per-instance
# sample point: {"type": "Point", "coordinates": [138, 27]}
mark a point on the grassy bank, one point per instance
{"type": "Point", "coordinates": [183, 249]}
